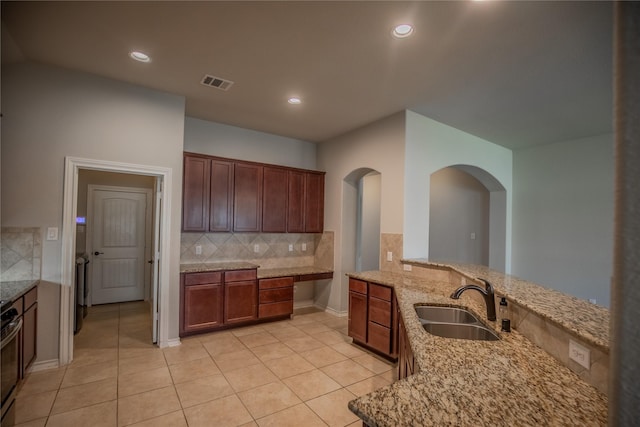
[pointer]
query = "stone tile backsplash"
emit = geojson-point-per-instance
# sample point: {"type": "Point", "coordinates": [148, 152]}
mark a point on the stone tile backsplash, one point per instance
{"type": "Point", "coordinates": [268, 250]}
{"type": "Point", "coordinates": [21, 250]}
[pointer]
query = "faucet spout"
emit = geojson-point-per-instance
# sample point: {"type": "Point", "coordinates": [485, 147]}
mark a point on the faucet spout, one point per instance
{"type": "Point", "coordinates": [487, 293]}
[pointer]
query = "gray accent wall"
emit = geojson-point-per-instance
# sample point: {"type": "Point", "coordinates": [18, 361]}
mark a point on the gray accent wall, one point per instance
{"type": "Point", "coordinates": [563, 216]}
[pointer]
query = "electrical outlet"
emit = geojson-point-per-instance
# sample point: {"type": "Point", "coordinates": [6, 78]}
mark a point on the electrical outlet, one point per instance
{"type": "Point", "coordinates": [580, 354]}
{"type": "Point", "coordinates": [473, 236]}
{"type": "Point", "coordinates": [256, 248]}
{"type": "Point", "coordinates": [290, 248]}
{"type": "Point", "coordinates": [304, 246]}
{"type": "Point", "coordinates": [389, 256]}
{"type": "Point", "coordinates": [592, 300]}
{"type": "Point", "coordinates": [406, 267]}
{"type": "Point", "coordinates": [198, 249]}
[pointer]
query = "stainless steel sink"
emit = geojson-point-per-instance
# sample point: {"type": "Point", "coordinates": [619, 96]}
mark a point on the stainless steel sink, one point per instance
{"type": "Point", "coordinates": [453, 322]}
{"type": "Point", "coordinates": [461, 331]}
{"type": "Point", "coordinates": [433, 313]}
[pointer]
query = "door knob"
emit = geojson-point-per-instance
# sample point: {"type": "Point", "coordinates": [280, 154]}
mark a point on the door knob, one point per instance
{"type": "Point", "coordinates": [96, 253]}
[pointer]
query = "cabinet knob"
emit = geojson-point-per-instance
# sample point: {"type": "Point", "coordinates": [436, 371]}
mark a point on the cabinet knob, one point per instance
{"type": "Point", "coordinates": [96, 253]}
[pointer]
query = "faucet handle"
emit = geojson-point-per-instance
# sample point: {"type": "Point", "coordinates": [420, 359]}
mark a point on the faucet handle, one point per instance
{"type": "Point", "coordinates": [487, 284]}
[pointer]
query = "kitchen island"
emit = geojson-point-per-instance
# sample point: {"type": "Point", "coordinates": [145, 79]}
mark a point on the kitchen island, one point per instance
{"type": "Point", "coordinates": [474, 383]}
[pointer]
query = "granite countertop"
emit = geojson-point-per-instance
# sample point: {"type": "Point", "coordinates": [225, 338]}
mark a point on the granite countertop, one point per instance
{"type": "Point", "coordinates": [585, 320]}
{"type": "Point", "coordinates": [263, 273]}
{"type": "Point", "coordinates": [216, 266]}
{"type": "Point", "coordinates": [12, 290]}
{"type": "Point", "coordinates": [475, 383]}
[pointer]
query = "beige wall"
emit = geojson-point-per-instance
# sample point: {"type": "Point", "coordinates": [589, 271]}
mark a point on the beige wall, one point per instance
{"type": "Point", "coordinates": [50, 113]}
{"type": "Point", "coordinates": [380, 147]}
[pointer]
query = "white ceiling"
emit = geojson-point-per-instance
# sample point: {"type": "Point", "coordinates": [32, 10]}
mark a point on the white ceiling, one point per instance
{"type": "Point", "coordinates": [515, 73]}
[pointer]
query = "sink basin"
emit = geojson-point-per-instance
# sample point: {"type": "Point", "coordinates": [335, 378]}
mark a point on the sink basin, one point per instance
{"type": "Point", "coordinates": [433, 313]}
{"type": "Point", "coordinates": [460, 331]}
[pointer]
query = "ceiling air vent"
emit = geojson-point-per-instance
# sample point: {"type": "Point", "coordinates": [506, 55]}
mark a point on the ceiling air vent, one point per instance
{"type": "Point", "coordinates": [216, 82]}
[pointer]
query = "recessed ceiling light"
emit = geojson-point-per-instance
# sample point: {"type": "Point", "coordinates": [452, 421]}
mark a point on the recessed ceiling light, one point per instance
{"type": "Point", "coordinates": [294, 100]}
{"type": "Point", "coordinates": [401, 31]}
{"type": "Point", "coordinates": [140, 56]}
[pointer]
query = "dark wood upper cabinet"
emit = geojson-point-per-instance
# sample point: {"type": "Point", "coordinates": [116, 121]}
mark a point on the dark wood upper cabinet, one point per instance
{"type": "Point", "coordinates": [295, 206]}
{"type": "Point", "coordinates": [314, 202]}
{"type": "Point", "coordinates": [221, 208]}
{"type": "Point", "coordinates": [274, 200]}
{"type": "Point", "coordinates": [247, 200]}
{"type": "Point", "coordinates": [224, 195]}
{"type": "Point", "coordinates": [195, 193]}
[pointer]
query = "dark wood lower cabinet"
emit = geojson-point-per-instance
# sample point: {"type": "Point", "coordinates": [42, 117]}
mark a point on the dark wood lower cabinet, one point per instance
{"type": "Point", "coordinates": [240, 302]}
{"type": "Point", "coordinates": [276, 297]}
{"type": "Point", "coordinates": [203, 307]}
{"type": "Point", "coordinates": [406, 362]}
{"type": "Point", "coordinates": [358, 316]}
{"type": "Point", "coordinates": [372, 317]}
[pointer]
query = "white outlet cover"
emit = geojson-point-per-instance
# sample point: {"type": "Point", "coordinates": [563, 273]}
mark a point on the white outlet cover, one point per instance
{"type": "Point", "coordinates": [406, 267]}
{"type": "Point", "coordinates": [580, 354]}
{"type": "Point", "coordinates": [198, 249]}
{"type": "Point", "coordinates": [304, 246]}
{"type": "Point", "coordinates": [389, 256]}
{"type": "Point", "coordinates": [256, 248]}
{"type": "Point", "coordinates": [290, 248]}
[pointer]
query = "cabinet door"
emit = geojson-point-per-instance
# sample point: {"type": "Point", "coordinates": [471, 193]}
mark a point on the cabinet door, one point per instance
{"type": "Point", "coordinates": [274, 200]}
{"type": "Point", "coordinates": [358, 316]}
{"type": "Point", "coordinates": [247, 201]}
{"type": "Point", "coordinates": [202, 306]}
{"type": "Point", "coordinates": [241, 301]}
{"type": "Point", "coordinates": [195, 193]}
{"type": "Point", "coordinates": [295, 204]}
{"type": "Point", "coordinates": [221, 207]}
{"type": "Point", "coordinates": [314, 203]}
{"type": "Point", "coordinates": [29, 335]}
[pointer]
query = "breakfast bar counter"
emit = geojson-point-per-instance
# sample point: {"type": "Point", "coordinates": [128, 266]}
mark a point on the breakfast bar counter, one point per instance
{"type": "Point", "coordinates": [509, 382]}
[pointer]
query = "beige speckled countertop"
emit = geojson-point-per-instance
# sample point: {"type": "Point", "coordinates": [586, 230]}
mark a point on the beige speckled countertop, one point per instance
{"type": "Point", "coordinates": [587, 321]}
{"type": "Point", "coordinates": [263, 273]}
{"type": "Point", "coordinates": [475, 383]}
{"type": "Point", "coordinates": [215, 266]}
{"type": "Point", "coordinates": [13, 289]}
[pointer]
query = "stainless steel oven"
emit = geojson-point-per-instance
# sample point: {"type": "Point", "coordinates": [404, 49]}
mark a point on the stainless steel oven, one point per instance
{"type": "Point", "coordinates": [11, 325]}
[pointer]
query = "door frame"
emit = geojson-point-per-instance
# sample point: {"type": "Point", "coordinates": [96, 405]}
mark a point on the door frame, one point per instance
{"type": "Point", "coordinates": [69, 212]}
{"type": "Point", "coordinates": [148, 218]}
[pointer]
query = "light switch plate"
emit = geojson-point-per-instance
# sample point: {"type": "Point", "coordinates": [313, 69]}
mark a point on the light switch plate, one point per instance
{"type": "Point", "coordinates": [52, 233]}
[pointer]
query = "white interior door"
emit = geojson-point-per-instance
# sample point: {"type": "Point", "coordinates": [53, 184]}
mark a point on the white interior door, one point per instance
{"type": "Point", "coordinates": [155, 261]}
{"type": "Point", "coordinates": [118, 245]}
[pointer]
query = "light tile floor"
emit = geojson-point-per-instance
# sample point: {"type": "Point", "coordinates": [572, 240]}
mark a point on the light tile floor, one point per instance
{"type": "Point", "coordinates": [300, 371]}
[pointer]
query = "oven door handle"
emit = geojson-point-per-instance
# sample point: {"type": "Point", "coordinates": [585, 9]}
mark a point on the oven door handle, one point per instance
{"type": "Point", "coordinates": [16, 325]}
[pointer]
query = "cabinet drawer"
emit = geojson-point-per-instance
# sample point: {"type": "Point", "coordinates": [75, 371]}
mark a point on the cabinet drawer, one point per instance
{"type": "Point", "coordinates": [379, 291]}
{"type": "Point", "coordinates": [30, 298]}
{"type": "Point", "coordinates": [240, 275]}
{"type": "Point", "coordinates": [358, 286]}
{"type": "Point", "coordinates": [379, 337]}
{"type": "Point", "coordinates": [202, 278]}
{"type": "Point", "coordinates": [380, 311]}
{"type": "Point", "coordinates": [17, 304]}
{"type": "Point", "coordinates": [276, 295]}
{"type": "Point", "coordinates": [275, 309]}
{"type": "Point", "coordinates": [278, 282]}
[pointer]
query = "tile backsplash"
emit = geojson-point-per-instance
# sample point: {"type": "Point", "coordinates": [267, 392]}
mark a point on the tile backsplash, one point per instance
{"type": "Point", "coordinates": [21, 250]}
{"type": "Point", "coordinates": [269, 250]}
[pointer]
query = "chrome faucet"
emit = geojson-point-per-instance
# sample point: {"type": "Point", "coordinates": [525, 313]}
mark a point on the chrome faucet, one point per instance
{"type": "Point", "coordinates": [487, 293]}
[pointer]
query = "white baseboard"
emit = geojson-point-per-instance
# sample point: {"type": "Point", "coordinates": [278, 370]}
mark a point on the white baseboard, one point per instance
{"type": "Point", "coordinates": [44, 365]}
{"type": "Point", "coordinates": [303, 304]}
{"type": "Point", "coordinates": [173, 342]}
{"type": "Point", "coordinates": [334, 312]}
